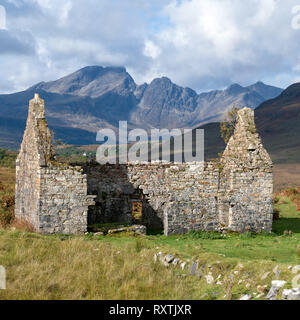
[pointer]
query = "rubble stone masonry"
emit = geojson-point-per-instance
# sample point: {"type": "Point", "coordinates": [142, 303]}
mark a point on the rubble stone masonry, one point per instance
{"type": "Point", "coordinates": [235, 194]}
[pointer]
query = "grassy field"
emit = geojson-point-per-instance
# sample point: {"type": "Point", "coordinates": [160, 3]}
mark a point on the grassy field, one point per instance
{"type": "Point", "coordinates": [122, 267]}
{"type": "Point", "coordinates": [89, 267]}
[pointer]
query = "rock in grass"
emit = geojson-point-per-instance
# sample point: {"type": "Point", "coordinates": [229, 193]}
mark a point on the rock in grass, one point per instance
{"type": "Point", "coordinates": [99, 234]}
{"type": "Point", "coordinates": [291, 294]}
{"type": "Point", "coordinates": [194, 268]}
{"type": "Point", "coordinates": [168, 258]}
{"type": "Point", "coordinates": [274, 291]}
{"type": "Point", "coordinates": [175, 262]}
{"type": "Point", "coordinates": [209, 279]}
{"type": "Point", "coordinates": [296, 269]}
{"type": "Point", "coordinates": [246, 297]}
{"type": "Point", "coordinates": [278, 283]}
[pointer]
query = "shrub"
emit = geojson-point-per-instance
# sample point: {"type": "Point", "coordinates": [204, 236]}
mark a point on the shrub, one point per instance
{"type": "Point", "coordinates": [7, 158]}
{"type": "Point", "coordinates": [5, 218]}
{"type": "Point", "coordinates": [268, 234]}
{"type": "Point", "coordinates": [228, 124]}
{"type": "Point", "coordinates": [276, 199]}
{"type": "Point", "coordinates": [276, 214]}
{"type": "Point", "coordinates": [7, 204]}
{"type": "Point", "coordinates": [247, 235]}
{"type": "Point", "coordinates": [293, 194]}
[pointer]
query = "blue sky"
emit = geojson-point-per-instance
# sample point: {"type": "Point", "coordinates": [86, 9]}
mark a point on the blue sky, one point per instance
{"type": "Point", "coordinates": [202, 44]}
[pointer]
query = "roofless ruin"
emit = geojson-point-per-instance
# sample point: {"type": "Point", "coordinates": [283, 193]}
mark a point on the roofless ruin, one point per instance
{"type": "Point", "coordinates": [237, 195]}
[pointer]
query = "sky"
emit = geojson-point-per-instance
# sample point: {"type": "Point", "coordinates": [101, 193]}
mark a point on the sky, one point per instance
{"type": "Point", "coordinates": [201, 44]}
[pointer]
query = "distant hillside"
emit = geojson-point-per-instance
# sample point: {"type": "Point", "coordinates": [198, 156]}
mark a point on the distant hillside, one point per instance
{"type": "Point", "coordinates": [80, 104]}
{"type": "Point", "coordinates": [278, 121]}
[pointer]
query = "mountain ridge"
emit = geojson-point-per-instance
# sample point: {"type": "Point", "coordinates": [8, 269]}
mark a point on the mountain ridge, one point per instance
{"type": "Point", "coordinates": [95, 97]}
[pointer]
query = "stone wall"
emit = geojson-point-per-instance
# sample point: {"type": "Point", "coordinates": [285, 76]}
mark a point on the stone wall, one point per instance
{"type": "Point", "coordinates": [63, 200]}
{"type": "Point", "coordinates": [183, 197]}
{"type": "Point", "coordinates": [50, 196]}
{"type": "Point", "coordinates": [234, 194]}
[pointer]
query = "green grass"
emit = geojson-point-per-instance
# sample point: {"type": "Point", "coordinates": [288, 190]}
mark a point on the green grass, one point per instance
{"type": "Point", "coordinates": [107, 267]}
{"type": "Point", "coordinates": [121, 266]}
{"type": "Point", "coordinates": [289, 217]}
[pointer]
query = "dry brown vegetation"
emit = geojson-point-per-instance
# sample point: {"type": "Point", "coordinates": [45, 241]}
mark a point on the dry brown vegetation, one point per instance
{"type": "Point", "coordinates": [7, 198]}
{"type": "Point", "coordinates": [52, 268]}
{"type": "Point", "coordinates": [286, 176]}
{"type": "Point", "coordinates": [292, 193]}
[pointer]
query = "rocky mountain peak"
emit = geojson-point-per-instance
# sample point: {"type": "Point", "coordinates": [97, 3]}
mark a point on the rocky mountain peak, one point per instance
{"type": "Point", "coordinates": [92, 81]}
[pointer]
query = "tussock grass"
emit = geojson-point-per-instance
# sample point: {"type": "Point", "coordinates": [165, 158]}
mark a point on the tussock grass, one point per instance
{"type": "Point", "coordinates": [80, 267]}
{"type": "Point", "coordinates": [40, 267]}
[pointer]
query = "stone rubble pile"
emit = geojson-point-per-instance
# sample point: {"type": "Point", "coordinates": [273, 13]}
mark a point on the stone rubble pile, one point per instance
{"type": "Point", "coordinates": [195, 269]}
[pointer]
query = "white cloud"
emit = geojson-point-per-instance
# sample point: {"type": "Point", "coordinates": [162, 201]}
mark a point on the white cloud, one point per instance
{"type": "Point", "coordinates": [203, 44]}
{"type": "Point", "coordinates": [213, 42]}
{"type": "Point", "coordinates": [151, 50]}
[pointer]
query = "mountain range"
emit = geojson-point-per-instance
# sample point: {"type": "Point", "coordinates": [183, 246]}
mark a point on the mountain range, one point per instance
{"type": "Point", "coordinates": [94, 97]}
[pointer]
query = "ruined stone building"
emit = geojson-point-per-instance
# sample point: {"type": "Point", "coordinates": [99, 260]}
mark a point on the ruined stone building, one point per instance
{"type": "Point", "coordinates": [235, 194]}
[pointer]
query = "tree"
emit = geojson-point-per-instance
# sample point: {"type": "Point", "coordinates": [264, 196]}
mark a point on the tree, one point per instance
{"type": "Point", "coordinates": [228, 124]}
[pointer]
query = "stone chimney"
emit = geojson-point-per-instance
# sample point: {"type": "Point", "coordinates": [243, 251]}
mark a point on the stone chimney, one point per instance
{"type": "Point", "coordinates": [52, 197]}
{"type": "Point", "coordinates": [37, 140]}
{"type": "Point", "coordinates": [37, 108]}
{"type": "Point", "coordinates": [245, 149]}
{"type": "Point", "coordinates": [247, 179]}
